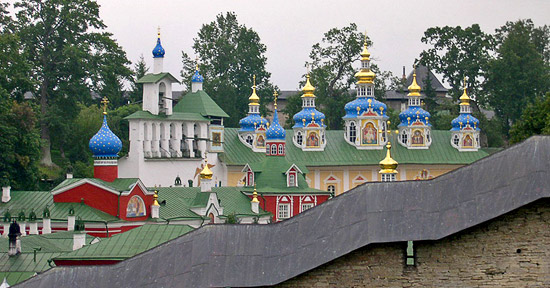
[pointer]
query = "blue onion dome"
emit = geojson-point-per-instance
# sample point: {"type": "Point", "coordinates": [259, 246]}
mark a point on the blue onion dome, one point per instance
{"type": "Point", "coordinates": [158, 51]}
{"type": "Point", "coordinates": [414, 114]}
{"type": "Point", "coordinates": [105, 144]}
{"type": "Point", "coordinates": [197, 77]}
{"type": "Point", "coordinates": [251, 122]}
{"type": "Point", "coordinates": [308, 115]}
{"type": "Point", "coordinates": [275, 131]}
{"type": "Point", "coordinates": [361, 105]}
{"type": "Point", "coordinates": [464, 120]}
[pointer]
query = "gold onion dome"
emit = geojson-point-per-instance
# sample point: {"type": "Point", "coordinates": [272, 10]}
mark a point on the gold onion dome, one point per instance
{"type": "Point", "coordinates": [206, 173]}
{"type": "Point", "coordinates": [365, 55]}
{"type": "Point", "coordinates": [414, 88]}
{"type": "Point", "coordinates": [254, 99]}
{"type": "Point", "coordinates": [365, 75]}
{"type": "Point", "coordinates": [308, 88]}
{"type": "Point", "coordinates": [155, 198]}
{"type": "Point", "coordinates": [464, 99]}
{"type": "Point", "coordinates": [388, 165]}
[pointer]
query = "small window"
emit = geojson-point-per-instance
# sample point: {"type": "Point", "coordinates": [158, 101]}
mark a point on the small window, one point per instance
{"type": "Point", "coordinates": [306, 206]}
{"type": "Point", "coordinates": [292, 179]}
{"type": "Point", "coordinates": [410, 254]}
{"type": "Point", "coordinates": [404, 137]}
{"type": "Point", "coordinates": [352, 132]}
{"type": "Point", "coordinates": [388, 177]}
{"type": "Point", "coordinates": [250, 178]}
{"type": "Point", "coordinates": [249, 139]}
{"type": "Point", "coordinates": [331, 188]}
{"type": "Point", "coordinates": [299, 138]}
{"type": "Point", "coordinates": [267, 149]}
{"type": "Point", "coordinates": [283, 211]}
{"type": "Point", "coordinates": [274, 149]}
{"type": "Point", "coordinates": [281, 149]}
{"type": "Point", "coordinates": [369, 91]}
{"type": "Point", "coordinates": [456, 140]}
{"type": "Point", "coordinates": [362, 91]}
{"type": "Point", "coordinates": [365, 64]}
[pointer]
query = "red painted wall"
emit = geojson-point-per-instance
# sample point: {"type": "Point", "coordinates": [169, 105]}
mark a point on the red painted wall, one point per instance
{"type": "Point", "coordinates": [147, 199]}
{"type": "Point", "coordinates": [93, 196]}
{"type": "Point", "coordinates": [269, 203]}
{"type": "Point", "coordinates": [106, 173]}
{"type": "Point", "coordinates": [84, 262]}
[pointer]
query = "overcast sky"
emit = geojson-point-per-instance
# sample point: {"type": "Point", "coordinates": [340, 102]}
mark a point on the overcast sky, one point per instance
{"type": "Point", "coordinates": [290, 28]}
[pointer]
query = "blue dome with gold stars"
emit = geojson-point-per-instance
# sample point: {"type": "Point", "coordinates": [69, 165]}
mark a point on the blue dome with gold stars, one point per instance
{"type": "Point", "coordinates": [309, 114]}
{"type": "Point", "coordinates": [463, 120]}
{"type": "Point", "coordinates": [105, 144]}
{"type": "Point", "coordinates": [275, 131]}
{"type": "Point", "coordinates": [362, 104]}
{"type": "Point", "coordinates": [251, 122]}
{"type": "Point", "coordinates": [197, 78]}
{"type": "Point", "coordinates": [158, 51]}
{"type": "Point", "coordinates": [413, 114]}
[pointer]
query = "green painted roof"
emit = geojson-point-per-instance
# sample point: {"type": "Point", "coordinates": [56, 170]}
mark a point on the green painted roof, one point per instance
{"type": "Point", "coordinates": [128, 244]}
{"type": "Point", "coordinates": [119, 184]}
{"type": "Point", "coordinates": [15, 277]}
{"type": "Point", "coordinates": [38, 200]}
{"type": "Point", "coordinates": [179, 201]}
{"type": "Point", "coordinates": [199, 102]}
{"type": "Point", "coordinates": [48, 243]}
{"type": "Point", "coordinates": [338, 152]}
{"type": "Point", "coordinates": [154, 78]}
{"type": "Point", "coordinates": [185, 116]}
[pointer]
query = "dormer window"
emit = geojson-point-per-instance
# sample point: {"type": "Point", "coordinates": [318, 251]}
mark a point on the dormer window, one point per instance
{"type": "Point", "coordinates": [292, 176]}
{"type": "Point", "coordinates": [292, 179]}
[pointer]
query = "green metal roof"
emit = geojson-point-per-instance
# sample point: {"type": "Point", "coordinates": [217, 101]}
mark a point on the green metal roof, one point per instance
{"type": "Point", "coordinates": [180, 200]}
{"type": "Point", "coordinates": [15, 277]}
{"type": "Point", "coordinates": [48, 243]}
{"type": "Point", "coordinates": [128, 244]}
{"type": "Point", "coordinates": [185, 116]}
{"type": "Point", "coordinates": [154, 78]}
{"type": "Point", "coordinates": [338, 152]}
{"type": "Point", "coordinates": [119, 184]}
{"type": "Point", "coordinates": [199, 102]}
{"type": "Point", "coordinates": [27, 201]}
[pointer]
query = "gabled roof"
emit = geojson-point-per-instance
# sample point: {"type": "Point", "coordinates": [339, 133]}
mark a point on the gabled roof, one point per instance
{"type": "Point", "coordinates": [154, 78]}
{"type": "Point", "coordinates": [339, 153]}
{"type": "Point", "coordinates": [177, 116]}
{"type": "Point", "coordinates": [199, 102]}
{"type": "Point", "coordinates": [119, 184]}
{"type": "Point", "coordinates": [38, 200]}
{"type": "Point", "coordinates": [125, 245]}
{"type": "Point", "coordinates": [380, 212]}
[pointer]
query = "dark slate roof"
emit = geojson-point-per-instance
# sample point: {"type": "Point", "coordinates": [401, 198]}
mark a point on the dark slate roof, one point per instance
{"type": "Point", "coordinates": [421, 75]}
{"type": "Point", "coordinates": [257, 255]}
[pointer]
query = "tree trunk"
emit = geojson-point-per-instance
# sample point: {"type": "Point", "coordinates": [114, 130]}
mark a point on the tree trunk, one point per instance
{"type": "Point", "coordinates": [46, 155]}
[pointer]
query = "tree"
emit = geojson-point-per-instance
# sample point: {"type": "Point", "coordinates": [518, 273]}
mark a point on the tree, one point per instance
{"type": "Point", "coordinates": [140, 69]}
{"type": "Point", "coordinates": [293, 106]}
{"type": "Point", "coordinates": [518, 74]}
{"type": "Point", "coordinates": [534, 120]}
{"type": "Point", "coordinates": [457, 53]}
{"type": "Point", "coordinates": [69, 57]}
{"type": "Point", "coordinates": [230, 53]}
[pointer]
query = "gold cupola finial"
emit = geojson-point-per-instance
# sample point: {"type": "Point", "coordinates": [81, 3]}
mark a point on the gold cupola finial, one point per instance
{"type": "Point", "coordinates": [158, 32]}
{"type": "Point", "coordinates": [464, 99]}
{"type": "Point", "coordinates": [275, 94]}
{"type": "Point", "coordinates": [155, 198]}
{"type": "Point", "coordinates": [197, 63]}
{"type": "Point", "coordinates": [104, 101]}
{"type": "Point", "coordinates": [206, 173]}
{"type": "Point", "coordinates": [365, 55]}
{"type": "Point", "coordinates": [308, 88]}
{"type": "Point", "coordinates": [254, 99]}
{"type": "Point", "coordinates": [388, 164]}
{"type": "Point", "coordinates": [255, 195]}
{"type": "Point", "coordinates": [414, 88]}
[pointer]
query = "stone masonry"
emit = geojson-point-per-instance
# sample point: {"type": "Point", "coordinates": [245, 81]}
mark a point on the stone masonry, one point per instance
{"type": "Point", "coordinates": [510, 251]}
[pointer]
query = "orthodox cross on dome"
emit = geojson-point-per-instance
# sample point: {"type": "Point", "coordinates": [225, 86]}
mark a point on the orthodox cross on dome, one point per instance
{"type": "Point", "coordinates": [275, 94]}
{"type": "Point", "coordinates": [197, 62]}
{"type": "Point", "coordinates": [104, 102]}
{"type": "Point", "coordinates": [158, 31]}
{"type": "Point", "coordinates": [308, 66]}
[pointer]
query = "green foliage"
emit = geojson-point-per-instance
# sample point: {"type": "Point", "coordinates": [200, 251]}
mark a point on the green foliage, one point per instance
{"type": "Point", "coordinates": [140, 69]}
{"type": "Point", "coordinates": [293, 106]}
{"type": "Point", "coordinates": [231, 219]}
{"type": "Point", "coordinates": [518, 74]}
{"type": "Point", "coordinates": [230, 53]}
{"type": "Point", "coordinates": [457, 53]}
{"type": "Point", "coordinates": [535, 120]}
{"type": "Point", "coordinates": [69, 56]}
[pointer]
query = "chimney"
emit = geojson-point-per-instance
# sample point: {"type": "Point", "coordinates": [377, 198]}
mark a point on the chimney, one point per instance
{"type": "Point", "coordinates": [6, 194]}
{"type": "Point", "coordinates": [79, 236]}
{"type": "Point", "coordinates": [14, 241]}
{"type": "Point", "coordinates": [404, 75]}
{"type": "Point", "coordinates": [46, 222]}
{"type": "Point", "coordinates": [33, 225]}
{"type": "Point", "coordinates": [7, 221]}
{"type": "Point", "coordinates": [70, 220]}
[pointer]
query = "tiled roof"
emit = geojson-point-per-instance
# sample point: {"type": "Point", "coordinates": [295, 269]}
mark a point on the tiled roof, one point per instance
{"type": "Point", "coordinates": [38, 200]}
{"type": "Point", "coordinates": [199, 102]}
{"type": "Point", "coordinates": [154, 78]}
{"type": "Point", "coordinates": [177, 116]}
{"type": "Point", "coordinates": [338, 152]}
{"type": "Point", "coordinates": [128, 244]}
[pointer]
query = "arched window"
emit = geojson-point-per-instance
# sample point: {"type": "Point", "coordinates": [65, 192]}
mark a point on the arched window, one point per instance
{"type": "Point", "coordinates": [404, 138]}
{"type": "Point", "coordinates": [331, 188]}
{"type": "Point", "coordinates": [299, 138]}
{"type": "Point", "coordinates": [292, 179]}
{"type": "Point", "coordinates": [383, 131]}
{"type": "Point", "coordinates": [274, 149]}
{"type": "Point", "coordinates": [281, 149]}
{"type": "Point", "coordinates": [352, 132]}
{"type": "Point", "coordinates": [249, 139]}
{"type": "Point", "coordinates": [456, 140]}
